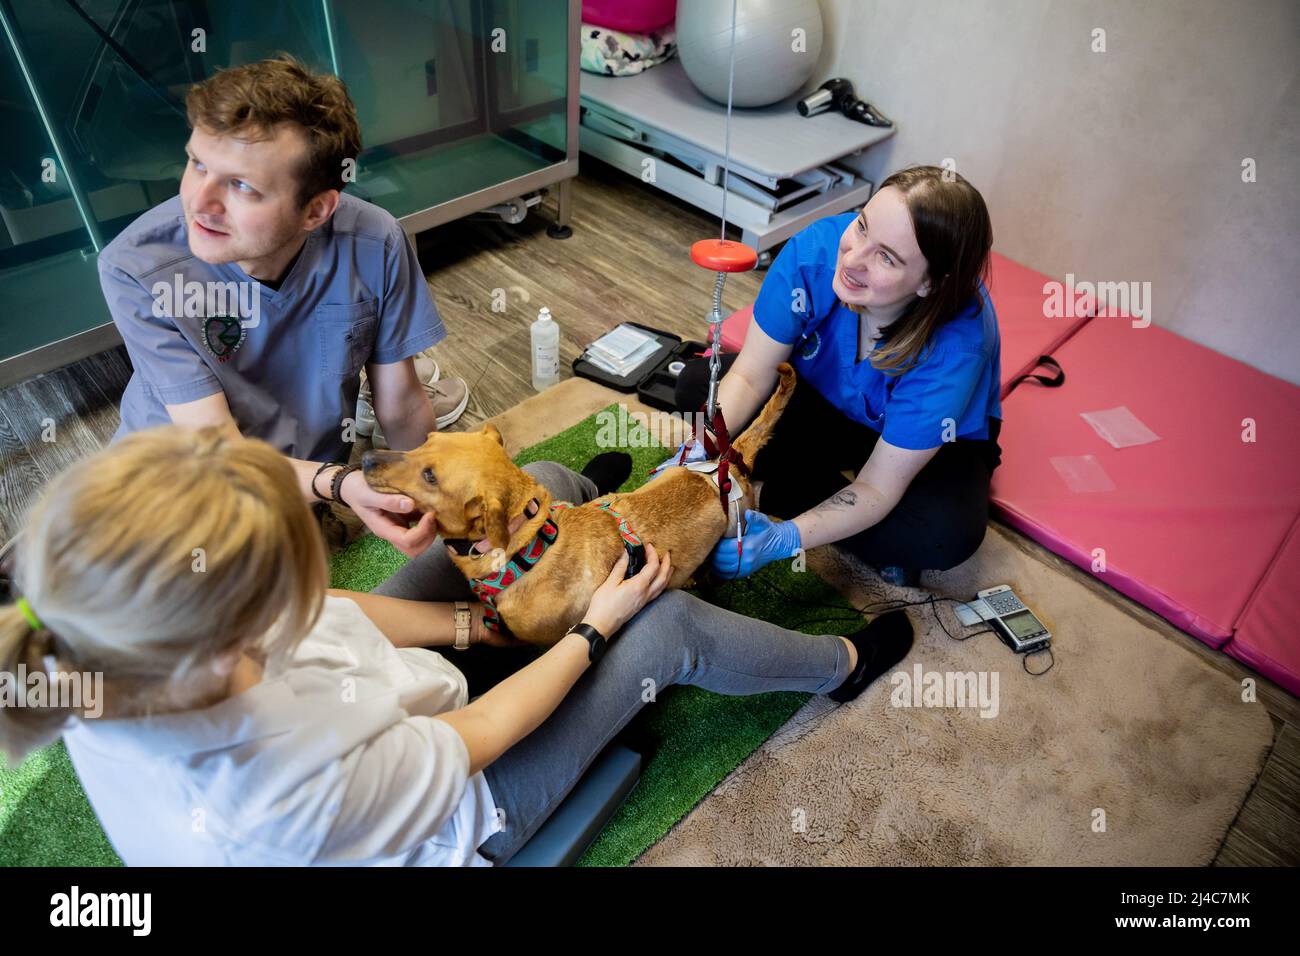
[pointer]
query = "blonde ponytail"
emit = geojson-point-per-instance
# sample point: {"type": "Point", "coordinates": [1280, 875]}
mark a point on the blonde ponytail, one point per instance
{"type": "Point", "coordinates": [22, 651]}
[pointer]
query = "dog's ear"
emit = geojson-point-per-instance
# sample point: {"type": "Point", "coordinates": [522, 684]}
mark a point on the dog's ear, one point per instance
{"type": "Point", "coordinates": [491, 432]}
{"type": "Point", "coordinates": [498, 524]}
{"type": "Point", "coordinates": [487, 519]}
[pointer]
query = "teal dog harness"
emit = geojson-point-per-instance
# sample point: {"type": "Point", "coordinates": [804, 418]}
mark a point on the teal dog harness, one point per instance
{"type": "Point", "coordinates": [522, 561]}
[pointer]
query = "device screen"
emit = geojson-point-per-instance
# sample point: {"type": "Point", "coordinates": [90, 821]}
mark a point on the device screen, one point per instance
{"type": "Point", "coordinates": [1022, 623]}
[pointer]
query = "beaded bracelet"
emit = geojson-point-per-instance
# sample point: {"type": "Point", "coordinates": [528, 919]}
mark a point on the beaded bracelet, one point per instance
{"type": "Point", "coordinates": [328, 464]}
{"type": "Point", "coordinates": [337, 484]}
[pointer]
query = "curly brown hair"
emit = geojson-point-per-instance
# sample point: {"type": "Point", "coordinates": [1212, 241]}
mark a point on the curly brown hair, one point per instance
{"type": "Point", "coordinates": [250, 101]}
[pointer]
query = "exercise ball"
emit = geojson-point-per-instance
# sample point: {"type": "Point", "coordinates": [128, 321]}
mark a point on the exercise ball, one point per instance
{"type": "Point", "coordinates": [772, 61]}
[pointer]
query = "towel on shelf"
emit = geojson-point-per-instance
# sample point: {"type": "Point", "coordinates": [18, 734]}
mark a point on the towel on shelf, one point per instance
{"type": "Point", "coordinates": [615, 53]}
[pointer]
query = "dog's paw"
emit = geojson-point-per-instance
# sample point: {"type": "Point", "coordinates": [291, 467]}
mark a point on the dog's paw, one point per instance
{"type": "Point", "coordinates": [498, 559]}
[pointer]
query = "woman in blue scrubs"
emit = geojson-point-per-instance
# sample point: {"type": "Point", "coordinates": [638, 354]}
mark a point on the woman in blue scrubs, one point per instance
{"type": "Point", "coordinates": [884, 315]}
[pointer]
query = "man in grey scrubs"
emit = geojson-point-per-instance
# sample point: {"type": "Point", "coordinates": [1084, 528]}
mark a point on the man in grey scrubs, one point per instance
{"type": "Point", "coordinates": [254, 298]}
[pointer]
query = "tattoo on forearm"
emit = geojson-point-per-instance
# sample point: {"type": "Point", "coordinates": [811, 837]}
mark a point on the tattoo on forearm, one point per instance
{"type": "Point", "coordinates": [842, 499]}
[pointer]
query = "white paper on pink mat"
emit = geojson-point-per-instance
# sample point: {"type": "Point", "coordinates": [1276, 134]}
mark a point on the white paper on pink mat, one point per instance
{"type": "Point", "coordinates": [1120, 427]}
{"type": "Point", "coordinates": [1082, 473]}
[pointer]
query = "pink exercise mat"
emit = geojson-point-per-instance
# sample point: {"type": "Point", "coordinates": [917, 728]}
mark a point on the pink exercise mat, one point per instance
{"type": "Point", "coordinates": [1020, 298]}
{"type": "Point", "coordinates": [1189, 523]}
{"type": "Point", "coordinates": [1268, 636]}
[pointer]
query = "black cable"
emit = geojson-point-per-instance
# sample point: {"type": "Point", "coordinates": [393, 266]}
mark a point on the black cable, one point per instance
{"type": "Point", "coordinates": [880, 607]}
{"type": "Point", "coordinates": [876, 609]}
{"type": "Point", "coordinates": [1046, 650]}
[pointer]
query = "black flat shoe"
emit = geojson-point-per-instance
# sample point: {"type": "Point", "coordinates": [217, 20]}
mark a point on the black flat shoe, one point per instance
{"type": "Point", "coordinates": [880, 645]}
{"type": "Point", "coordinates": [608, 470]}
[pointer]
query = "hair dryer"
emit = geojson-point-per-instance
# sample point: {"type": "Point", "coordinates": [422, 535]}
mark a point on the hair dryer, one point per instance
{"type": "Point", "coordinates": [838, 94]}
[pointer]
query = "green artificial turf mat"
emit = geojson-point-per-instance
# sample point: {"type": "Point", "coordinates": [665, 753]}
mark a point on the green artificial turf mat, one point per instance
{"type": "Point", "coordinates": [45, 818]}
{"type": "Point", "coordinates": [694, 737]}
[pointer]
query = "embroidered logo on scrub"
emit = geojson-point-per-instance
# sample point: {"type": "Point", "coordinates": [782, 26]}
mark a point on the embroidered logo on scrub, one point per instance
{"type": "Point", "coordinates": [811, 347]}
{"type": "Point", "coordinates": [220, 306]}
{"type": "Point", "coordinates": [223, 335]}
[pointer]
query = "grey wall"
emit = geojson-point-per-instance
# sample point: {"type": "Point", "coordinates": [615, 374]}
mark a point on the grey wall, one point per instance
{"type": "Point", "coordinates": [1115, 166]}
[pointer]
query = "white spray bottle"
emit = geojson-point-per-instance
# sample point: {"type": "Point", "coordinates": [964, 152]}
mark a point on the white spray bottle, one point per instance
{"type": "Point", "coordinates": [545, 336]}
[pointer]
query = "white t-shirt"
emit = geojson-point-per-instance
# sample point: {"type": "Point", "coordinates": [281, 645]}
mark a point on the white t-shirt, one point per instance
{"type": "Point", "coordinates": [334, 758]}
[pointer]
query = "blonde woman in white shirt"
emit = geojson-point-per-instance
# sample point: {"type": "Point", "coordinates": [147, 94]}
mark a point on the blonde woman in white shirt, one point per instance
{"type": "Point", "coordinates": [250, 717]}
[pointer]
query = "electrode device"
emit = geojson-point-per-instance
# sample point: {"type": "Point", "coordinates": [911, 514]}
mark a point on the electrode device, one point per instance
{"type": "Point", "coordinates": [1015, 624]}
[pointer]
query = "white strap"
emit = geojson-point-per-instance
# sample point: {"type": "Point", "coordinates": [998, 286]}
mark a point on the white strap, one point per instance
{"type": "Point", "coordinates": [463, 621]}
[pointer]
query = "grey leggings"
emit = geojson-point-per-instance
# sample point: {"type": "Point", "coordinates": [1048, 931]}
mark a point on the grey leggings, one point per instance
{"type": "Point", "coordinates": [676, 639]}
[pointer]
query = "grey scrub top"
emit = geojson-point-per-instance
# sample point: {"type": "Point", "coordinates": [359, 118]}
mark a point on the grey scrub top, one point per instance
{"type": "Point", "coordinates": [288, 359]}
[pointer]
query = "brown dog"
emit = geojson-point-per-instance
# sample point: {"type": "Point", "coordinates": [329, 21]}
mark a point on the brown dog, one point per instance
{"type": "Point", "coordinates": [469, 482]}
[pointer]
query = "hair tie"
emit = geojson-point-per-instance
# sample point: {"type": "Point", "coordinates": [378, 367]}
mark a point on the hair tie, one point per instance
{"type": "Point", "coordinates": [28, 613]}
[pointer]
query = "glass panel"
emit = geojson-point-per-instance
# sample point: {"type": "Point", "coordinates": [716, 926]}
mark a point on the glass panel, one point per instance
{"type": "Point", "coordinates": [46, 252]}
{"type": "Point", "coordinates": [531, 83]}
{"type": "Point", "coordinates": [448, 106]}
{"type": "Point", "coordinates": [93, 126]}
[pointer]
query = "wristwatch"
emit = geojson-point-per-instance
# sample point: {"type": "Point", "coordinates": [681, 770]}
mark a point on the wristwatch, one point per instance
{"type": "Point", "coordinates": [463, 621]}
{"type": "Point", "coordinates": [595, 639]}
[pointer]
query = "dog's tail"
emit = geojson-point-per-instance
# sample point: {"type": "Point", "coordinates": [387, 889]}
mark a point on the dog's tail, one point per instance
{"type": "Point", "coordinates": [751, 442]}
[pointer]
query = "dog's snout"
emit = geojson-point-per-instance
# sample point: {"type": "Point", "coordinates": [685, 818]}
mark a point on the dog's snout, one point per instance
{"type": "Point", "coordinates": [373, 459]}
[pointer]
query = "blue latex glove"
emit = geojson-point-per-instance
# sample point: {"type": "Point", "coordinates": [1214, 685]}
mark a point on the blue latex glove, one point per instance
{"type": "Point", "coordinates": [697, 453]}
{"type": "Point", "coordinates": [764, 541]}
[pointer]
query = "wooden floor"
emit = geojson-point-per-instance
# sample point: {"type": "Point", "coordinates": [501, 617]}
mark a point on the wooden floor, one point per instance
{"type": "Point", "coordinates": [626, 260]}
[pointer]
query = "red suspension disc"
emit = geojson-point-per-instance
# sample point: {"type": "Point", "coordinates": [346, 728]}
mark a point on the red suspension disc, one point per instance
{"type": "Point", "coordinates": [724, 255]}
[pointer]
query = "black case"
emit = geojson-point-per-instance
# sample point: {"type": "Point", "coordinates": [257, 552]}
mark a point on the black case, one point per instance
{"type": "Point", "coordinates": [651, 380]}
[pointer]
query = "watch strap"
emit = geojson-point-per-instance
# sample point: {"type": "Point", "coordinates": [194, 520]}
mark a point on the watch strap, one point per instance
{"type": "Point", "coordinates": [596, 642]}
{"type": "Point", "coordinates": [464, 618]}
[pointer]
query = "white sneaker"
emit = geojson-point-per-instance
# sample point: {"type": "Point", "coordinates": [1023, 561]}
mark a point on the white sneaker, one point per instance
{"type": "Point", "coordinates": [426, 369]}
{"type": "Point", "coordinates": [449, 398]}
{"type": "Point", "coordinates": [365, 417]}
